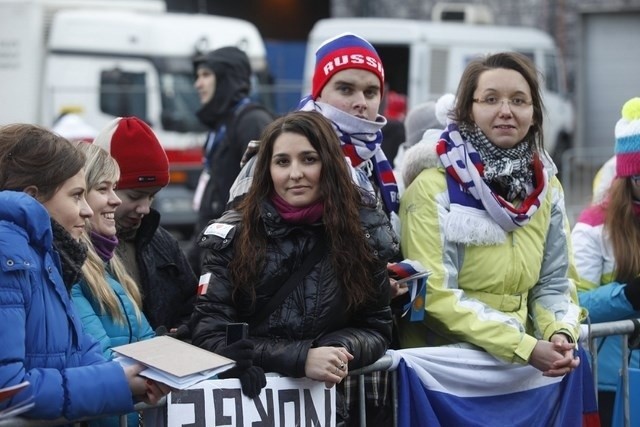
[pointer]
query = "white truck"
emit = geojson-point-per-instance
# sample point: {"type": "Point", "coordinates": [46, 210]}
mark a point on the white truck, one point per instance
{"type": "Point", "coordinates": [109, 58]}
{"type": "Point", "coordinates": [425, 59]}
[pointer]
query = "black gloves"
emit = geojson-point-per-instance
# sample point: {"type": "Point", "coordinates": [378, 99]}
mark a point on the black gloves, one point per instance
{"type": "Point", "coordinates": [632, 292]}
{"type": "Point", "coordinates": [241, 351]}
{"type": "Point", "coordinates": [252, 378]}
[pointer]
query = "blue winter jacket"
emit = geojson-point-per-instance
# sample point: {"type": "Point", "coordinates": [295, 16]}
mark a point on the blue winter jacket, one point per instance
{"type": "Point", "coordinates": [108, 332]}
{"type": "Point", "coordinates": [42, 338]}
{"type": "Point", "coordinates": [105, 328]}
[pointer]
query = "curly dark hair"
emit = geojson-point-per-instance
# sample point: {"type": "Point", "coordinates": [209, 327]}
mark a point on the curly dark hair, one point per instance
{"type": "Point", "coordinates": [350, 254]}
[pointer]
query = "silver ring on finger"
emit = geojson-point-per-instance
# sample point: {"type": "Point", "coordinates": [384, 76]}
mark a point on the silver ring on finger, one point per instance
{"type": "Point", "coordinates": [342, 365]}
{"type": "Point", "coordinates": [337, 371]}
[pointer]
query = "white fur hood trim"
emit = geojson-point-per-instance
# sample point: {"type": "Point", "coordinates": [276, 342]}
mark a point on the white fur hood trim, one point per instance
{"type": "Point", "coordinates": [421, 156]}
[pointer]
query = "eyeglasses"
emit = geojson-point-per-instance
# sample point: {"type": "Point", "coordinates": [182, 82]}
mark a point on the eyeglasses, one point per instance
{"type": "Point", "coordinates": [494, 102]}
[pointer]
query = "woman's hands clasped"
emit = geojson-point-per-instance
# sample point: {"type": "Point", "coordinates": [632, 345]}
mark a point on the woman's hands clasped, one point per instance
{"type": "Point", "coordinates": [328, 364]}
{"type": "Point", "coordinates": [555, 357]}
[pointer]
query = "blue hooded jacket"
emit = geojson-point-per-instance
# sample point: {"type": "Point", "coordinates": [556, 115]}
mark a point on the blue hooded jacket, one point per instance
{"type": "Point", "coordinates": [42, 338]}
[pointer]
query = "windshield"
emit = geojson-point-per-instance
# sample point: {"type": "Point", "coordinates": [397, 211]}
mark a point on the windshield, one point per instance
{"type": "Point", "coordinates": [179, 103]}
{"type": "Point", "coordinates": [178, 96]}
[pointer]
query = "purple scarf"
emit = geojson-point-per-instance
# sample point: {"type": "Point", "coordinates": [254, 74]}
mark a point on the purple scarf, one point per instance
{"type": "Point", "coordinates": [104, 246]}
{"type": "Point", "coordinates": [298, 215]}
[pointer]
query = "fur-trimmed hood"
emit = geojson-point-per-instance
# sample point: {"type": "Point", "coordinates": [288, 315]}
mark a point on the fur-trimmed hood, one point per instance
{"type": "Point", "coordinates": [421, 156]}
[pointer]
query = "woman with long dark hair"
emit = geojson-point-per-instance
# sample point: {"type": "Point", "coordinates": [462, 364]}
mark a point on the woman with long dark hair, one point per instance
{"type": "Point", "coordinates": [337, 316]}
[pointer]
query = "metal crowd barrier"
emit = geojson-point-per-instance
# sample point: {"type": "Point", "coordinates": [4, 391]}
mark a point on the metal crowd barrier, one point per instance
{"type": "Point", "coordinates": [589, 334]}
{"type": "Point", "coordinates": [629, 328]}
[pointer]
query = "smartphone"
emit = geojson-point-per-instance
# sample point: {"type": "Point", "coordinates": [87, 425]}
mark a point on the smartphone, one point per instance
{"type": "Point", "coordinates": [236, 332]}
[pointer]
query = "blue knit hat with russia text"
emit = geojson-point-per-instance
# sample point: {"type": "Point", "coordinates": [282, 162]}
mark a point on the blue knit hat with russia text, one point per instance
{"type": "Point", "coordinates": [628, 139]}
{"type": "Point", "coordinates": [344, 52]}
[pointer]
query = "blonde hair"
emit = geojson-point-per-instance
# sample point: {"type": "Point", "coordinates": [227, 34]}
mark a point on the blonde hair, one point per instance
{"type": "Point", "coordinates": [100, 166]}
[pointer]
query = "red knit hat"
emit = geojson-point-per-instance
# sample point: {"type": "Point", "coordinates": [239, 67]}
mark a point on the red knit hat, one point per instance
{"type": "Point", "coordinates": [344, 52]}
{"type": "Point", "coordinates": [142, 160]}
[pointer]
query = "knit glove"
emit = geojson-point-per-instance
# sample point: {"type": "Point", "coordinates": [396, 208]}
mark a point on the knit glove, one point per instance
{"type": "Point", "coordinates": [252, 378]}
{"type": "Point", "coordinates": [632, 292]}
{"type": "Point", "coordinates": [240, 351]}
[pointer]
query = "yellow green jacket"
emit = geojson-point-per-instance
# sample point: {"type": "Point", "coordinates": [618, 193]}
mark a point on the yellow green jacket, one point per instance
{"type": "Point", "coordinates": [499, 297]}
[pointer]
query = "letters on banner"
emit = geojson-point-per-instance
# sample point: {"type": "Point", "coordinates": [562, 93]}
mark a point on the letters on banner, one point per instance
{"type": "Point", "coordinates": [283, 402]}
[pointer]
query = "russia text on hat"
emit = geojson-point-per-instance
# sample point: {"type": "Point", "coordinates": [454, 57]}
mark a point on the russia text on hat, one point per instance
{"type": "Point", "coordinates": [339, 61]}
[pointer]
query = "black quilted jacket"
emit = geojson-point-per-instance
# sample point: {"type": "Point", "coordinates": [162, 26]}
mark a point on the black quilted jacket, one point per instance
{"type": "Point", "coordinates": [314, 314]}
{"type": "Point", "coordinates": [168, 283]}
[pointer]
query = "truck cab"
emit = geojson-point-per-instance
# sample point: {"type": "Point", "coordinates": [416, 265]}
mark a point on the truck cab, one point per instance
{"type": "Point", "coordinates": [118, 58]}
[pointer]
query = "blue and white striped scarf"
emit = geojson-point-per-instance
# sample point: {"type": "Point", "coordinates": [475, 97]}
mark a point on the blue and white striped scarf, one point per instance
{"type": "Point", "coordinates": [478, 215]}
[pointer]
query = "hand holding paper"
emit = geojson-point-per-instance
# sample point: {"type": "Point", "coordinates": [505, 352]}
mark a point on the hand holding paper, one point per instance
{"type": "Point", "coordinates": [143, 389]}
{"type": "Point", "coordinates": [172, 362]}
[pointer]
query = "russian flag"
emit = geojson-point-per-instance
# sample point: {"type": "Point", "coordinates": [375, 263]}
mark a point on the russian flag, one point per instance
{"type": "Point", "coordinates": [450, 386]}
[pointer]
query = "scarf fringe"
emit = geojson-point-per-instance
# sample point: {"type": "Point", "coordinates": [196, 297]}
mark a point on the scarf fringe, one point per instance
{"type": "Point", "coordinates": [473, 227]}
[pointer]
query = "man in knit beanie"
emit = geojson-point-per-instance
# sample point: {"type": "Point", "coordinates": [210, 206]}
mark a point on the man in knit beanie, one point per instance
{"type": "Point", "coordinates": [347, 88]}
{"type": "Point", "coordinates": [223, 82]}
{"type": "Point", "coordinates": [152, 256]}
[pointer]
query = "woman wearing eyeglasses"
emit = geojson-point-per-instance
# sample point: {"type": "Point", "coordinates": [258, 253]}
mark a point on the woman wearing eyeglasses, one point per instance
{"type": "Point", "coordinates": [606, 245]}
{"type": "Point", "coordinates": [485, 214]}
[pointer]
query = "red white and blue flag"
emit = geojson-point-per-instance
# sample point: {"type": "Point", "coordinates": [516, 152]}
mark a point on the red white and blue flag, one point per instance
{"type": "Point", "coordinates": [450, 386]}
{"type": "Point", "coordinates": [415, 276]}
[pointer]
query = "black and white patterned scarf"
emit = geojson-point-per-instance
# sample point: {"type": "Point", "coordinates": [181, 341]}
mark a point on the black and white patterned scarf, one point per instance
{"type": "Point", "coordinates": [73, 254]}
{"type": "Point", "coordinates": [507, 170]}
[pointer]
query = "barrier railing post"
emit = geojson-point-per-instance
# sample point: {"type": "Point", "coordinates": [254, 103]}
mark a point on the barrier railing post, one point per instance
{"type": "Point", "coordinates": [625, 381]}
{"type": "Point", "coordinates": [593, 353]}
{"type": "Point", "coordinates": [632, 342]}
{"type": "Point", "coordinates": [394, 397]}
{"type": "Point", "coordinates": [362, 404]}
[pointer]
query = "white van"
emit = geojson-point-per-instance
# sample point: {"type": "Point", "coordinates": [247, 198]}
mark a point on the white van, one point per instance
{"type": "Point", "coordinates": [109, 58]}
{"type": "Point", "coordinates": [424, 60]}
